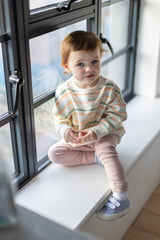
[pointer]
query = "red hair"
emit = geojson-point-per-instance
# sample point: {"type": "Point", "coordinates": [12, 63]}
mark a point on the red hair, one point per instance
{"type": "Point", "coordinates": [79, 40]}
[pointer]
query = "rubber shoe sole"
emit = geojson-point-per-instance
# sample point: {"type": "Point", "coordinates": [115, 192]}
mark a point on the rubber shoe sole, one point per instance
{"type": "Point", "coordinates": [112, 217]}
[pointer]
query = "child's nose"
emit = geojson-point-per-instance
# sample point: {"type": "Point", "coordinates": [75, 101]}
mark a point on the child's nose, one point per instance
{"type": "Point", "coordinates": [88, 68]}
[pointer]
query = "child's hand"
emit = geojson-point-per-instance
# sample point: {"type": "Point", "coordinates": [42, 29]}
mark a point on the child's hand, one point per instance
{"type": "Point", "coordinates": [71, 136]}
{"type": "Point", "coordinates": [87, 135]}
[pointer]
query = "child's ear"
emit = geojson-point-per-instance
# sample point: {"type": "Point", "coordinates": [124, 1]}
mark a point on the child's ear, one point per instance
{"type": "Point", "coordinates": [66, 68]}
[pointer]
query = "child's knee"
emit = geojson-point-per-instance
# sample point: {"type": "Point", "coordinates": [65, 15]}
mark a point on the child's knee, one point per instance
{"type": "Point", "coordinates": [57, 153]}
{"type": "Point", "coordinates": [51, 153]}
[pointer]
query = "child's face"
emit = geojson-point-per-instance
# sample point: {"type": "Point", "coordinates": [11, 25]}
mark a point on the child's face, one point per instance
{"type": "Point", "coordinates": [85, 67]}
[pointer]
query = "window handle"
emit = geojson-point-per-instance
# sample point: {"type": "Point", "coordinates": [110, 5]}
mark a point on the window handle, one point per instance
{"type": "Point", "coordinates": [18, 81]}
{"type": "Point", "coordinates": [65, 5]}
{"type": "Point", "coordinates": [104, 40]}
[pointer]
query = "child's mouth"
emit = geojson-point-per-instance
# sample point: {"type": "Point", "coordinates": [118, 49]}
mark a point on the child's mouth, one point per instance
{"type": "Point", "coordinates": [90, 76]}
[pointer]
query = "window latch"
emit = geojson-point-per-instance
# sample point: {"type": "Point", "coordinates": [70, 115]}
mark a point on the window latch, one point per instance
{"type": "Point", "coordinates": [65, 5]}
{"type": "Point", "coordinates": [16, 79]}
{"type": "Point", "coordinates": [104, 40]}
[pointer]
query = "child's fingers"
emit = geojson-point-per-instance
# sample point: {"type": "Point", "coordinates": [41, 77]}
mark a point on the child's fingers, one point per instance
{"type": "Point", "coordinates": [71, 136]}
{"type": "Point", "coordinates": [88, 135]}
{"type": "Point", "coordinates": [82, 133]}
{"type": "Point", "coordinates": [74, 137]}
{"type": "Point", "coordinates": [85, 137]}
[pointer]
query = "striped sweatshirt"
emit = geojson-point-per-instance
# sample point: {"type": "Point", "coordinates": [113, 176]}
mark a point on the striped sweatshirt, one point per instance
{"type": "Point", "coordinates": [101, 108]}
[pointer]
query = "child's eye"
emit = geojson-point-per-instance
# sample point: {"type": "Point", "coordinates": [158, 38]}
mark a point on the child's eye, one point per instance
{"type": "Point", "coordinates": [95, 61]}
{"type": "Point", "coordinates": [80, 64]}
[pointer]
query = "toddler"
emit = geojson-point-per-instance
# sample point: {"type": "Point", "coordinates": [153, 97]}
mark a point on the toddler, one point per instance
{"type": "Point", "coordinates": [89, 111]}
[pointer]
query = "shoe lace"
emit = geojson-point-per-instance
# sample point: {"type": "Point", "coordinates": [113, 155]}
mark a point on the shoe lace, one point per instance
{"type": "Point", "coordinates": [112, 202]}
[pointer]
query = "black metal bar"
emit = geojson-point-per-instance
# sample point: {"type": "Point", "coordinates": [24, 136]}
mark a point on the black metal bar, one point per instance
{"type": "Point", "coordinates": [43, 98]}
{"type": "Point", "coordinates": [132, 40]}
{"type": "Point", "coordinates": [11, 62]}
{"type": "Point", "coordinates": [4, 37]}
{"type": "Point", "coordinates": [98, 13]}
{"type": "Point", "coordinates": [26, 107]}
{"type": "Point", "coordinates": [44, 162]}
{"type": "Point", "coordinates": [5, 118]}
{"type": "Point", "coordinates": [117, 54]}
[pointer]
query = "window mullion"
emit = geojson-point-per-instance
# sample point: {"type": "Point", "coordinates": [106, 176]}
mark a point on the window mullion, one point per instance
{"type": "Point", "coordinates": [27, 96]}
{"type": "Point", "coordinates": [23, 123]}
{"type": "Point", "coordinates": [132, 41]}
{"type": "Point", "coordinates": [10, 61]}
{"type": "Point", "coordinates": [97, 17]}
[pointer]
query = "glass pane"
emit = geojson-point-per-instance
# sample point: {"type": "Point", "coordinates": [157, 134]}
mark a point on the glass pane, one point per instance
{"type": "Point", "coordinates": [115, 24]}
{"type": "Point", "coordinates": [3, 98]}
{"type": "Point", "coordinates": [46, 68]}
{"type": "Point", "coordinates": [115, 71]}
{"type": "Point", "coordinates": [6, 147]}
{"type": "Point", "coordinates": [41, 3]}
{"type": "Point", "coordinates": [46, 134]}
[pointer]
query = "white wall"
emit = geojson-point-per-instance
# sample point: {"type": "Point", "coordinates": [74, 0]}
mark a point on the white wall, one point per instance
{"type": "Point", "coordinates": [158, 75]}
{"type": "Point", "coordinates": [148, 52]}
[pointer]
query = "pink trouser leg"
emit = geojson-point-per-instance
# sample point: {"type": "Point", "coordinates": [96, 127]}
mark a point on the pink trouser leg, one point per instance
{"type": "Point", "coordinates": [105, 149]}
{"type": "Point", "coordinates": [63, 153]}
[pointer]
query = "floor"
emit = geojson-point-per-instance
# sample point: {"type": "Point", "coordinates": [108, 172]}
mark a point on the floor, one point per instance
{"type": "Point", "coordinates": [147, 224]}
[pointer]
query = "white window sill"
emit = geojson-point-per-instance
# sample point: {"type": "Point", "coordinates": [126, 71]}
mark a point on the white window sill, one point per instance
{"type": "Point", "coordinates": [70, 195]}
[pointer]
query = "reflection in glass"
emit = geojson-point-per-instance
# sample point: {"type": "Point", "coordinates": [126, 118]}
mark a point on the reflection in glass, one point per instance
{"type": "Point", "coordinates": [41, 3]}
{"type": "Point", "coordinates": [46, 134]}
{"type": "Point", "coordinates": [115, 71]}
{"type": "Point", "coordinates": [3, 98]}
{"type": "Point", "coordinates": [115, 24]}
{"type": "Point", "coordinates": [46, 68]}
{"type": "Point", "coordinates": [6, 146]}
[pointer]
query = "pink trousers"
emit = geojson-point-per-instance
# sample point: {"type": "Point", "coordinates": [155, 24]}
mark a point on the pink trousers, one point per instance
{"type": "Point", "coordinates": [105, 149]}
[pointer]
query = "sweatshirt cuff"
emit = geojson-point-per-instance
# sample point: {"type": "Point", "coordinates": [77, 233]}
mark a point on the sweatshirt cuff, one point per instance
{"type": "Point", "coordinates": [62, 130]}
{"type": "Point", "coordinates": [99, 132]}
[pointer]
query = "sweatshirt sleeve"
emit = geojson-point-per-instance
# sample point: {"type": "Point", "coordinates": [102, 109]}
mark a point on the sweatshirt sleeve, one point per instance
{"type": "Point", "coordinates": [61, 109]}
{"type": "Point", "coordinates": [114, 114]}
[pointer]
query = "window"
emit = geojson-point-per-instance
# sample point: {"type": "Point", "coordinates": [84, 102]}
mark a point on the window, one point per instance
{"type": "Point", "coordinates": [47, 74]}
{"type": "Point", "coordinates": [119, 22]}
{"type": "Point", "coordinates": [116, 28]}
{"type": "Point", "coordinates": [30, 69]}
